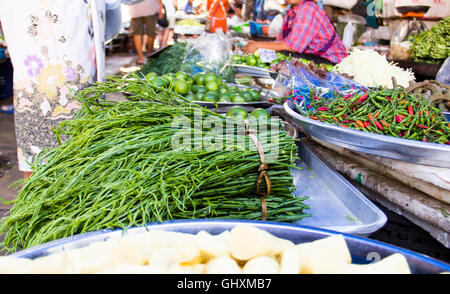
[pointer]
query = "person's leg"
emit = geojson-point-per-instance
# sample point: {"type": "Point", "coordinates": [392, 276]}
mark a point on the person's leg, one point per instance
{"type": "Point", "coordinates": [137, 31]}
{"type": "Point", "coordinates": [137, 40]}
{"type": "Point", "coordinates": [164, 36]}
{"type": "Point", "coordinates": [150, 27]}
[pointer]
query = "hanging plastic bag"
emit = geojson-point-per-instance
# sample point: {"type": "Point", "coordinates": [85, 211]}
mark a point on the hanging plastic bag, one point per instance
{"type": "Point", "coordinates": [347, 39]}
{"type": "Point", "coordinates": [209, 52]}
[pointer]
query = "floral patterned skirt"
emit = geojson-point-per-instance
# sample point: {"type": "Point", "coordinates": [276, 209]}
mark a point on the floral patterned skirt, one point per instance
{"type": "Point", "coordinates": [56, 48]}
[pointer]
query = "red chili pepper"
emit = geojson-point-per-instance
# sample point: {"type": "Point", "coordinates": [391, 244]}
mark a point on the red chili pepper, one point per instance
{"type": "Point", "coordinates": [322, 109]}
{"type": "Point", "coordinates": [400, 134]}
{"type": "Point", "coordinates": [410, 110]}
{"type": "Point", "coordinates": [360, 124]}
{"type": "Point", "coordinates": [376, 115]}
{"type": "Point", "coordinates": [317, 98]}
{"type": "Point", "coordinates": [389, 98]}
{"type": "Point", "coordinates": [344, 126]}
{"type": "Point", "coordinates": [422, 126]}
{"type": "Point", "coordinates": [384, 123]}
{"type": "Point", "coordinates": [366, 124]}
{"type": "Point", "coordinates": [348, 96]}
{"type": "Point", "coordinates": [399, 118]}
{"type": "Point", "coordinates": [344, 116]}
{"type": "Point", "coordinates": [335, 119]}
{"type": "Point", "coordinates": [370, 116]}
{"type": "Point", "coordinates": [363, 97]}
{"type": "Point", "coordinates": [313, 117]}
{"type": "Point", "coordinates": [378, 125]}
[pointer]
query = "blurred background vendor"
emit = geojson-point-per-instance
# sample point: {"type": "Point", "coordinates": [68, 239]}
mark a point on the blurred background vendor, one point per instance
{"type": "Point", "coordinates": [308, 32]}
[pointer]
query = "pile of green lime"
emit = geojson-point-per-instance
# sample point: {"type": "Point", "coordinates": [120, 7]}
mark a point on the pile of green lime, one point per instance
{"type": "Point", "coordinates": [255, 60]}
{"type": "Point", "coordinates": [204, 86]}
{"type": "Point", "coordinates": [239, 113]}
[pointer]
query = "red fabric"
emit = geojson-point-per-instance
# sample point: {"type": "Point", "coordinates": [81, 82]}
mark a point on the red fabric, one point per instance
{"type": "Point", "coordinates": [215, 10]}
{"type": "Point", "coordinates": [307, 29]}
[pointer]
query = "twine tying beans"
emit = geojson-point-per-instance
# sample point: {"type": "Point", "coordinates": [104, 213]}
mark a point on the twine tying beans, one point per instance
{"type": "Point", "coordinates": [262, 171]}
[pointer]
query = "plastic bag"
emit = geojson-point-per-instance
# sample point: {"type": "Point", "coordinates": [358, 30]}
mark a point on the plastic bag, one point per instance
{"type": "Point", "coordinates": [209, 52]}
{"type": "Point", "coordinates": [443, 75]}
{"type": "Point", "coordinates": [305, 86]}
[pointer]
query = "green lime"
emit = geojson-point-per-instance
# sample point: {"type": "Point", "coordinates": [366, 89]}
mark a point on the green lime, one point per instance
{"type": "Point", "coordinates": [199, 79]}
{"type": "Point", "coordinates": [210, 97]}
{"type": "Point", "coordinates": [181, 75]}
{"type": "Point", "coordinates": [210, 77]}
{"type": "Point", "coordinates": [219, 81]}
{"type": "Point", "coordinates": [305, 61]}
{"type": "Point", "coordinates": [159, 82]}
{"type": "Point", "coordinates": [151, 75]}
{"type": "Point", "coordinates": [190, 80]}
{"type": "Point", "coordinates": [251, 60]}
{"type": "Point", "coordinates": [214, 93]}
{"type": "Point", "coordinates": [190, 97]}
{"type": "Point", "coordinates": [260, 64]}
{"type": "Point", "coordinates": [281, 56]}
{"type": "Point", "coordinates": [194, 88]}
{"type": "Point", "coordinates": [181, 87]}
{"type": "Point", "coordinates": [237, 112]}
{"type": "Point", "coordinates": [201, 89]}
{"type": "Point", "coordinates": [237, 98]}
{"type": "Point", "coordinates": [259, 112]}
{"type": "Point", "coordinates": [255, 95]}
{"type": "Point", "coordinates": [247, 95]}
{"type": "Point", "coordinates": [199, 96]}
{"type": "Point", "coordinates": [170, 76]}
{"type": "Point", "coordinates": [329, 67]}
{"type": "Point", "coordinates": [223, 90]}
{"type": "Point", "coordinates": [224, 98]}
{"type": "Point", "coordinates": [212, 86]}
{"type": "Point", "coordinates": [236, 58]}
{"type": "Point", "coordinates": [239, 62]}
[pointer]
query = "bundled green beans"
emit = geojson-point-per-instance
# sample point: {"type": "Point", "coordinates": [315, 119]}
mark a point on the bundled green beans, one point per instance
{"type": "Point", "coordinates": [116, 167]}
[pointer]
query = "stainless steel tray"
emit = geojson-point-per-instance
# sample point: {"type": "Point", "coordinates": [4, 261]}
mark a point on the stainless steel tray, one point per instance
{"type": "Point", "coordinates": [335, 203]}
{"type": "Point", "coordinates": [362, 250]}
{"type": "Point", "coordinates": [418, 152]}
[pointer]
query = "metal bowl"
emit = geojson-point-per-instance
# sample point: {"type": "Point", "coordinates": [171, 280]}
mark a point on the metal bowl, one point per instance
{"type": "Point", "coordinates": [363, 250]}
{"type": "Point", "coordinates": [417, 152]}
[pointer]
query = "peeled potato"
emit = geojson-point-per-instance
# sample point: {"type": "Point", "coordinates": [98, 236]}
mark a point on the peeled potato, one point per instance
{"type": "Point", "coordinates": [290, 262]}
{"type": "Point", "coordinates": [247, 242]}
{"type": "Point", "coordinates": [323, 255]}
{"type": "Point", "coordinates": [13, 265]}
{"type": "Point", "coordinates": [212, 246]}
{"type": "Point", "coordinates": [261, 265]}
{"type": "Point", "coordinates": [222, 265]}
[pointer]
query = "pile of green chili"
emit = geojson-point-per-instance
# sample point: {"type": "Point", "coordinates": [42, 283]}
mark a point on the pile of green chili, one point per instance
{"type": "Point", "coordinates": [116, 168]}
{"type": "Point", "coordinates": [390, 112]}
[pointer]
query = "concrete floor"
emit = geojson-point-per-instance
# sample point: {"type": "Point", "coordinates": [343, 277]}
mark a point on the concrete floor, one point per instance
{"type": "Point", "coordinates": [9, 172]}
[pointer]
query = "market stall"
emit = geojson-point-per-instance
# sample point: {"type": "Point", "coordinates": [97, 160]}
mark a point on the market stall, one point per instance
{"type": "Point", "coordinates": [223, 161]}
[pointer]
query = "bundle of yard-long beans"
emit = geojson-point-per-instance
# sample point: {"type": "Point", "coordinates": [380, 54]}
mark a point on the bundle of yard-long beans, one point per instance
{"type": "Point", "coordinates": [118, 168]}
{"type": "Point", "coordinates": [390, 112]}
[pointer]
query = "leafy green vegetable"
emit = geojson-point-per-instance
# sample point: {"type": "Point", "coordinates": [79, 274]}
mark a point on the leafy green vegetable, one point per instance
{"type": "Point", "coordinates": [432, 46]}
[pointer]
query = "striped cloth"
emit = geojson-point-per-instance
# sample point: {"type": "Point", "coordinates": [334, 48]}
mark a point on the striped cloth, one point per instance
{"type": "Point", "coordinates": [307, 29]}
